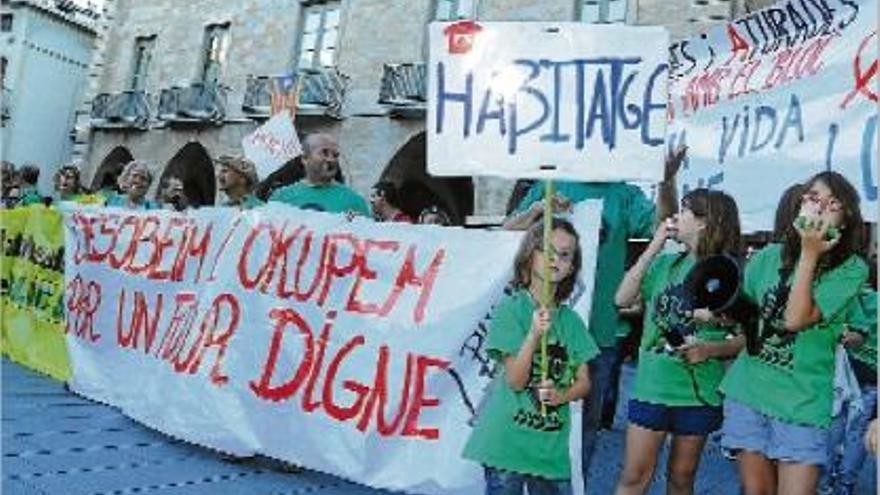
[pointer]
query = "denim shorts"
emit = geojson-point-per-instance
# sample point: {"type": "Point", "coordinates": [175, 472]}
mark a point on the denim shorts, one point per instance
{"type": "Point", "coordinates": [678, 420]}
{"type": "Point", "coordinates": [746, 428]}
{"type": "Point", "coordinates": [503, 482]}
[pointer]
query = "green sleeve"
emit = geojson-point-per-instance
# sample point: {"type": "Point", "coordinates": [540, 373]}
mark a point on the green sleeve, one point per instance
{"type": "Point", "coordinates": [505, 332]}
{"type": "Point", "coordinates": [583, 347]}
{"type": "Point", "coordinates": [640, 213]}
{"type": "Point", "coordinates": [833, 291]}
{"type": "Point", "coordinates": [858, 316]}
{"type": "Point", "coordinates": [757, 270]}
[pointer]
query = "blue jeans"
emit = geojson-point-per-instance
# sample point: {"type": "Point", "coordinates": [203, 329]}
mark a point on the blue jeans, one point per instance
{"type": "Point", "coordinates": [602, 389]}
{"type": "Point", "coordinates": [501, 482]}
{"type": "Point", "coordinates": [847, 448]}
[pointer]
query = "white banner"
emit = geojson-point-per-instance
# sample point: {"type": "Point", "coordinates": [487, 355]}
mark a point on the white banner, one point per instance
{"type": "Point", "coordinates": [352, 348]}
{"type": "Point", "coordinates": [272, 144]}
{"type": "Point", "coordinates": [511, 98]}
{"type": "Point", "coordinates": [770, 99]}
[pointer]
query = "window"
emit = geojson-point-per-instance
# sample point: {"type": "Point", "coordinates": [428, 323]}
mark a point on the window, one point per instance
{"type": "Point", "coordinates": [214, 52]}
{"type": "Point", "coordinates": [320, 36]}
{"type": "Point", "coordinates": [452, 10]}
{"type": "Point", "coordinates": [6, 23]}
{"type": "Point", "coordinates": [603, 11]}
{"type": "Point", "coordinates": [143, 55]}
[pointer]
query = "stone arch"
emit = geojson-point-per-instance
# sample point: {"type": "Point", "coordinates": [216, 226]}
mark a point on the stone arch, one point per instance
{"type": "Point", "coordinates": [110, 168]}
{"type": "Point", "coordinates": [194, 166]}
{"type": "Point", "coordinates": [408, 170]}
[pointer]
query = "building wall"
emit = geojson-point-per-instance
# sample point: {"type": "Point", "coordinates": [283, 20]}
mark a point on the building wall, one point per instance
{"type": "Point", "coordinates": [49, 60]}
{"type": "Point", "coordinates": [263, 36]}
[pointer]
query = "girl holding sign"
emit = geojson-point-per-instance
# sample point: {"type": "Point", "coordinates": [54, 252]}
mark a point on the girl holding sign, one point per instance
{"type": "Point", "coordinates": [778, 402]}
{"type": "Point", "coordinates": [521, 436]}
{"type": "Point", "coordinates": [682, 349]}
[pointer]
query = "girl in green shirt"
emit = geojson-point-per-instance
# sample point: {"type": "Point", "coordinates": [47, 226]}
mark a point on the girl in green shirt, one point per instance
{"type": "Point", "coordinates": [521, 436]}
{"type": "Point", "coordinates": [778, 397]}
{"type": "Point", "coordinates": [676, 383]}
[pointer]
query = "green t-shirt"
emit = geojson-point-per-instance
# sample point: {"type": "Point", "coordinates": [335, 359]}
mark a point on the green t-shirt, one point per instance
{"type": "Point", "coordinates": [663, 377]}
{"type": "Point", "coordinates": [863, 319]}
{"type": "Point", "coordinates": [333, 198]}
{"type": "Point", "coordinates": [511, 433]}
{"type": "Point", "coordinates": [247, 202]}
{"type": "Point", "coordinates": [30, 197]}
{"type": "Point", "coordinates": [791, 378]}
{"type": "Point", "coordinates": [626, 212]}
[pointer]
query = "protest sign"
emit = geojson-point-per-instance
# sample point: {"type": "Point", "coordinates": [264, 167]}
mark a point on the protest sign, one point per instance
{"type": "Point", "coordinates": [272, 144]}
{"type": "Point", "coordinates": [506, 98]}
{"type": "Point", "coordinates": [770, 99]}
{"type": "Point", "coordinates": [32, 278]}
{"type": "Point", "coordinates": [352, 348]}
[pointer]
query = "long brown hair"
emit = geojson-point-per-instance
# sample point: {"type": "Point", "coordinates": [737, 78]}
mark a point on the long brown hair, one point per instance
{"type": "Point", "coordinates": [719, 212]}
{"type": "Point", "coordinates": [851, 232]}
{"type": "Point", "coordinates": [534, 242]}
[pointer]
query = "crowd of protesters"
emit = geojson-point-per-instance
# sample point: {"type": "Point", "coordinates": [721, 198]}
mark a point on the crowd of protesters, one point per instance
{"type": "Point", "coordinates": [793, 390]}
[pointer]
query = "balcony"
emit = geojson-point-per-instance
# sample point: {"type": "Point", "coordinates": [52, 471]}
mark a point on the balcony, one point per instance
{"type": "Point", "coordinates": [322, 93]}
{"type": "Point", "coordinates": [198, 104]}
{"type": "Point", "coordinates": [404, 89]}
{"type": "Point", "coordinates": [126, 110]}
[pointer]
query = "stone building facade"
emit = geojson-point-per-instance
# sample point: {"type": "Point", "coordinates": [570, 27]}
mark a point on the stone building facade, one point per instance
{"type": "Point", "coordinates": [155, 92]}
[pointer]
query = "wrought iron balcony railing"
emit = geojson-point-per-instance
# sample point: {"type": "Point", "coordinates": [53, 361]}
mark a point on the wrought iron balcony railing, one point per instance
{"type": "Point", "coordinates": [322, 92]}
{"type": "Point", "coordinates": [200, 103]}
{"type": "Point", "coordinates": [404, 84]}
{"type": "Point", "coordinates": [128, 109]}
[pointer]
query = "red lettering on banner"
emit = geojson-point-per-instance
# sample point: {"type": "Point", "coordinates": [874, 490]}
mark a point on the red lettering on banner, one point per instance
{"type": "Point", "coordinates": [420, 401]}
{"type": "Point", "coordinates": [185, 307]}
{"type": "Point", "coordinates": [368, 400]}
{"type": "Point", "coordinates": [738, 45]}
{"type": "Point", "coordinates": [360, 390]}
{"type": "Point", "coordinates": [83, 301]}
{"type": "Point", "coordinates": [742, 81]}
{"type": "Point", "coordinates": [209, 337]}
{"type": "Point", "coordinates": [280, 246]}
{"type": "Point", "coordinates": [796, 63]}
{"type": "Point", "coordinates": [263, 389]}
{"type": "Point", "coordinates": [379, 397]}
{"type": "Point", "coordinates": [296, 292]}
{"type": "Point", "coordinates": [192, 247]}
{"type": "Point", "coordinates": [222, 249]}
{"type": "Point", "coordinates": [365, 273]}
{"type": "Point", "coordinates": [243, 275]}
{"type": "Point", "coordinates": [308, 404]}
{"type": "Point", "coordinates": [162, 243]}
{"type": "Point", "coordinates": [408, 276]}
{"type": "Point", "coordinates": [149, 228]}
{"type": "Point", "coordinates": [140, 322]}
{"type": "Point", "coordinates": [863, 78]}
{"type": "Point", "coordinates": [334, 270]}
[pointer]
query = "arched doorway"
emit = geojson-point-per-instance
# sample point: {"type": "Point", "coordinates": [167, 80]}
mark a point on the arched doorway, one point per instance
{"type": "Point", "coordinates": [194, 167]}
{"type": "Point", "coordinates": [419, 190]}
{"type": "Point", "coordinates": [110, 168]}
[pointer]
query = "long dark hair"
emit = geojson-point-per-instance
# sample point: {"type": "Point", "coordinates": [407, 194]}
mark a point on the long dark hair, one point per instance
{"type": "Point", "coordinates": [851, 231]}
{"type": "Point", "coordinates": [534, 241]}
{"type": "Point", "coordinates": [786, 212]}
{"type": "Point", "coordinates": [719, 212]}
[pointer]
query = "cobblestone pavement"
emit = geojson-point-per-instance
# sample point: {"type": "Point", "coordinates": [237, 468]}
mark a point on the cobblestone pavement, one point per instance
{"type": "Point", "coordinates": [55, 443]}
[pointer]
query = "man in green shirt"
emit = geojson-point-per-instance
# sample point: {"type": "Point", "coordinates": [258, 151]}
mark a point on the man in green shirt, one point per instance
{"type": "Point", "coordinates": [626, 213]}
{"type": "Point", "coordinates": [237, 177]}
{"type": "Point", "coordinates": [318, 190]}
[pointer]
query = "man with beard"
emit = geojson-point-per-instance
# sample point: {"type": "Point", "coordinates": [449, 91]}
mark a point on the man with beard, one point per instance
{"type": "Point", "coordinates": [238, 177]}
{"type": "Point", "coordinates": [172, 195]}
{"type": "Point", "coordinates": [318, 190]}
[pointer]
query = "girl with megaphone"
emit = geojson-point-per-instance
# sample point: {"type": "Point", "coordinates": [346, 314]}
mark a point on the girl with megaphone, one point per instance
{"type": "Point", "coordinates": [778, 400]}
{"type": "Point", "coordinates": [682, 348]}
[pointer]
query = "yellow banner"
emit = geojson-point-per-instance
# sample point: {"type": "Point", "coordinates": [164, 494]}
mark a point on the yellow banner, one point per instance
{"type": "Point", "coordinates": [32, 289]}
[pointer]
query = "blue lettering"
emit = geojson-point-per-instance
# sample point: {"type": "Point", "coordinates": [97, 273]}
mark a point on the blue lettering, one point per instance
{"type": "Point", "coordinates": [869, 184]}
{"type": "Point", "coordinates": [497, 113]}
{"type": "Point", "coordinates": [793, 118]}
{"type": "Point", "coordinates": [464, 98]}
{"type": "Point", "coordinates": [516, 132]}
{"type": "Point", "coordinates": [648, 106]}
{"type": "Point", "coordinates": [554, 136]}
{"type": "Point", "coordinates": [833, 130]}
{"type": "Point", "coordinates": [744, 135]}
{"type": "Point", "coordinates": [726, 139]}
{"type": "Point", "coordinates": [762, 113]}
{"type": "Point", "coordinates": [599, 110]}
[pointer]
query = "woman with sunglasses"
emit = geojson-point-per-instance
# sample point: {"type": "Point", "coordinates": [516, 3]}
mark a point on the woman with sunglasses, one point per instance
{"type": "Point", "coordinates": [682, 348]}
{"type": "Point", "coordinates": [778, 400]}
